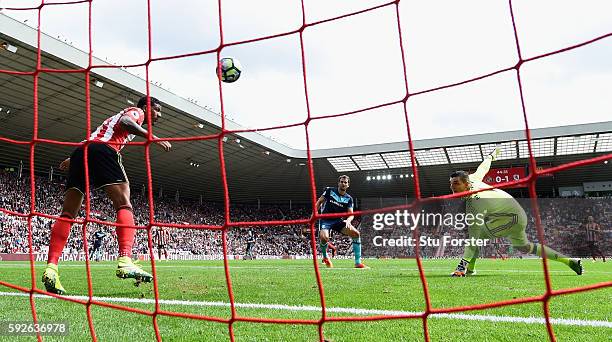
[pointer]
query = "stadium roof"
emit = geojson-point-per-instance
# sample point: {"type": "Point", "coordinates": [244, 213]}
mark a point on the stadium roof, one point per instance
{"type": "Point", "coordinates": [257, 167]}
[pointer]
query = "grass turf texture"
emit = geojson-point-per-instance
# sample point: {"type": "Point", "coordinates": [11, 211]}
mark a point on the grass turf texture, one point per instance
{"type": "Point", "coordinates": [388, 285]}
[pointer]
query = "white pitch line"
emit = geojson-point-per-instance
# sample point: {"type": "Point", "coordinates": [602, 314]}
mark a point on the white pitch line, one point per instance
{"type": "Point", "coordinates": [509, 270]}
{"type": "Point", "coordinates": [353, 311]}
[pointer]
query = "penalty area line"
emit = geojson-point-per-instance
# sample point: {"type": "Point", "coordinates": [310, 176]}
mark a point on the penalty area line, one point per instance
{"type": "Point", "coordinates": [352, 311]}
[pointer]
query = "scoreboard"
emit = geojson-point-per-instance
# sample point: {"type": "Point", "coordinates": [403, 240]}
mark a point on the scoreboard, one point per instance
{"type": "Point", "coordinates": [503, 175]}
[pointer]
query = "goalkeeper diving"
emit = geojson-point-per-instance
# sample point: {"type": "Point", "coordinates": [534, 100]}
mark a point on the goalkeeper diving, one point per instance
{"type": "Point", "coordinates": [503, 217]}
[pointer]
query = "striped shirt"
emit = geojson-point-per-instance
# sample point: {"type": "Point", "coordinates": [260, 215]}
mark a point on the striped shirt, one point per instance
{"type": "Point", "coordinates": [111, 131]}
{"type": "Point", "coordinates": [162, 237]}
{"type": "Point", "coordinates": [592, 231]}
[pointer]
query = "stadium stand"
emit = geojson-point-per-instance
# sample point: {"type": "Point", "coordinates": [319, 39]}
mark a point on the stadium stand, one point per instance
{"type": "Point", "coordinates": [272, 241]}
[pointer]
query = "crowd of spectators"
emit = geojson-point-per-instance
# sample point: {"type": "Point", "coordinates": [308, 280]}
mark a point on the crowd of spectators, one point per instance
{"type": "Point", "coordinates": [272, 240]}
{"type": "Point", "coordinates": [561, 218]}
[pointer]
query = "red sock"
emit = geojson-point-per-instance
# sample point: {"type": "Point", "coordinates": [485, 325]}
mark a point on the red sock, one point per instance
{"type": "Point", "coordinates": [59, 235]}
{"type": "Point", "coordinates": [125, 235]}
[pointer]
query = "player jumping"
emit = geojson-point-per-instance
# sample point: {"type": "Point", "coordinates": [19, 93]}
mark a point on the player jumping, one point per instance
{"type": "Point", "coordinates": [337, 200]}
{"type": "Point", "coordinates": [106, 172]}
{"type": "Point", "coordinates": [503, 217]}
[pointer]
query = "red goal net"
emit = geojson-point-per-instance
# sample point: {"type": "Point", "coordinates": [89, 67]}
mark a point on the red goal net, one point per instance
{"type": "Point", "coordinates": [324, 318]}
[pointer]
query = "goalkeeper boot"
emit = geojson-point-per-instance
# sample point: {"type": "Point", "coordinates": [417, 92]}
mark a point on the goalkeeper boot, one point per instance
{"type": "Point", "coordinates": [51, 280]}
{"type": "Point", "coordinates": [128, 269]}
{"type": "Point", "coordinates": [461, 269]}
{"type": "Point", "coordinates": [576, 266]}
{"type": "Point", "coordinates": [328, 263]}
{"type": "Point", "coordinates": [360, 265]}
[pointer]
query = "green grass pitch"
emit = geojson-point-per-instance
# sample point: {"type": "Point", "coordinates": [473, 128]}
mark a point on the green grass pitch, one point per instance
{"type": "Point", "coordinates": [199, 287]}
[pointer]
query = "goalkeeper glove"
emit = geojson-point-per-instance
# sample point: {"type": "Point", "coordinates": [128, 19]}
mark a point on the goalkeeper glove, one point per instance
{"type": "Point", "coordinates": [495, 153]}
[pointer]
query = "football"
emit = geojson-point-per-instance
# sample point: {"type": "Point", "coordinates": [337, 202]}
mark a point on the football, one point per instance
{"type": "Point", "coordinates": [229, 69]}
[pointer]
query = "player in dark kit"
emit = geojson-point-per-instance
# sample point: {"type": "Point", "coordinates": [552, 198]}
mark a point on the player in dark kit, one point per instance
{"type": "Point", "coordinates": [337, 200]}
{"type": "Point", "coordinates": [96, 251]}
{"type": "Point", "coordinates": [250, 244]}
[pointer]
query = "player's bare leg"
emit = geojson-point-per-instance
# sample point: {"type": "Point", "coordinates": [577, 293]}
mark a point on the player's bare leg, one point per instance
{"type": "Point", "coordinates": [323, 242]}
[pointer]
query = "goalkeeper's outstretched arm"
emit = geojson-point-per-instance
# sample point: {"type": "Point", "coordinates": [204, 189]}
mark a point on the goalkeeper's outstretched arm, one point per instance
{"type": "Point", "coordinates": [485, 166]}
{"type": "Point", "coordinates": [482, 170]}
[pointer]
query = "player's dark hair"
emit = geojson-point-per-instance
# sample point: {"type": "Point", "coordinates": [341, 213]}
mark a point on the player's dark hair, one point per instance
{"type": "Point", "coordinates": [142, 103]}
{"type": "Point", "coordinates": [348, 179]}
{"type": "Point", "coordinates": [464, 176]}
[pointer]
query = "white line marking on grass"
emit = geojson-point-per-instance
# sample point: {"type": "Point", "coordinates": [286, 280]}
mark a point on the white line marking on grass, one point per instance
{"type": "Point", "coordinates": [509, 270]}
{"type": "Point", "coordinates": [352, 311]}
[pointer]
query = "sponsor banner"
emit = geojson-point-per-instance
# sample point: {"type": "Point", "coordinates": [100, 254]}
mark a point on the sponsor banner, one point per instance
{"type": "Point", "coordinates": [111, 257]}
{"type": "Point", "coordinates": [309, 257]}
{"type": "Point", "coordinates": [185, 256]}
{"type": "Point", "coordinates": [15, 257]}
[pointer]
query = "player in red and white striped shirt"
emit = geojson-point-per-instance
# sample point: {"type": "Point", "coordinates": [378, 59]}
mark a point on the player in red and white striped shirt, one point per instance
{"type": "Point", "coordinates": [162, 238]}
{"type": "Point", "coordinates": [113, 133]}
{"type": "Point", "coordinates": [105, 171]}
{"type": "Point", "coordinates": [593, 236]}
